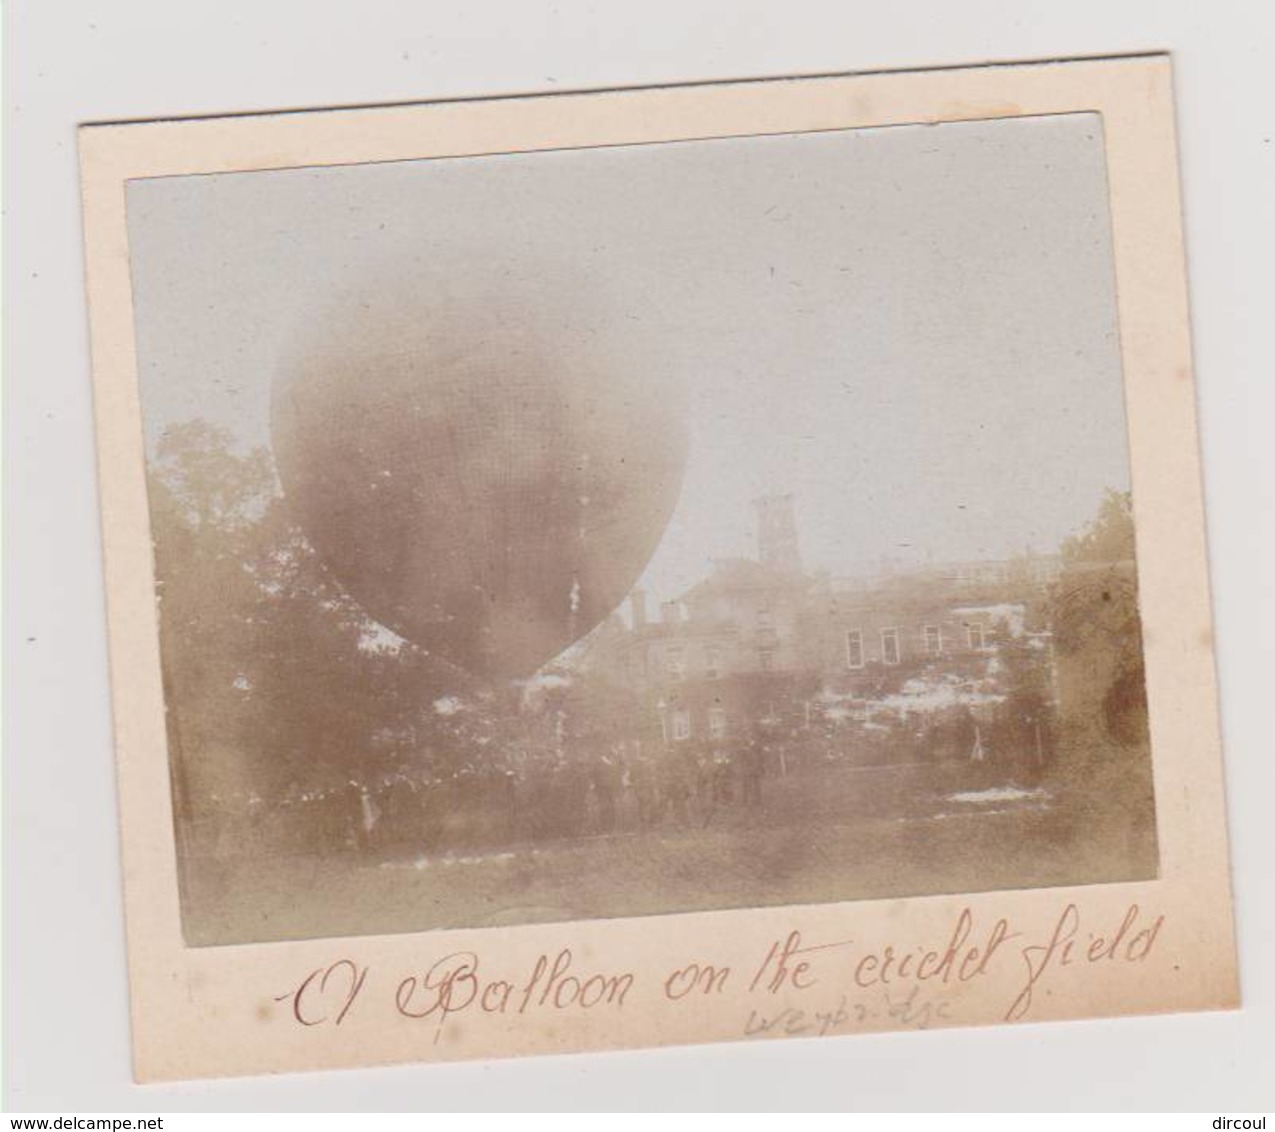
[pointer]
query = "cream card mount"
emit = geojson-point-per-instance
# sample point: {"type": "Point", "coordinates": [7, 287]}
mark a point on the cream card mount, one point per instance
{"type": "Point", "coordinates": [655, 566]}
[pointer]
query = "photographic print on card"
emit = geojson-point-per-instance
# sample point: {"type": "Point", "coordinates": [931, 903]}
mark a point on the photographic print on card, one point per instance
{"type": "Point", "coordinates": [626, 568]}
{"type": "Point", "coordinates": [642, 529]}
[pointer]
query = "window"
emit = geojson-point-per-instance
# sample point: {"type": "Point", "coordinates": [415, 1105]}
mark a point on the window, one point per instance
{"type": "Point", "coordinates": [975, 635]}
{"type": "Point", "coordinates": [890, 646]}
{"type": "Point", "coordinates": [712, 662]}
{"type": "Point", "coordinates": [854, 649]}
{"type": "Point", "coordinates": [716, 723]}
{"type": "Point", "coordinates": [933, 640]}
{"type": "Point", "coordinates": [681, 726]}
{"type": "Point", "coordinates": [675, 662]}
{"type": "Point", "coordinates": [766, 659]}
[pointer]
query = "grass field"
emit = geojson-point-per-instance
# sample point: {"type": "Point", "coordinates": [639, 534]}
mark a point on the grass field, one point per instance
{"type": "Point", "coordinates": [820, 836]}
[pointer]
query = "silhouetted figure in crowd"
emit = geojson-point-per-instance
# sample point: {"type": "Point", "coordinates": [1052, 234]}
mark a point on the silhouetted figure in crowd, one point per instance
{"type": "Point", "coordinates": [607, 775]}
{"type": "Point", "coordinates": [721, 772]}
{"type": "Point", "coordinates": [675, 784]}
{"type": "Point", "coordinates": [645, 789]}
{"type": "Point", "coordinates": [752, 766]}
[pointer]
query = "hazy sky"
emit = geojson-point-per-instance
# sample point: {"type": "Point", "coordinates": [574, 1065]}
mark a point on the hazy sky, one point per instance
{"type": "Point", "coordinates": [911, 329]}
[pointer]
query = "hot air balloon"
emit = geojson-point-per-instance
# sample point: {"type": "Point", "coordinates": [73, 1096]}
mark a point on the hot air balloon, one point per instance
{"type": "Point", "coordinates": [486, 479]}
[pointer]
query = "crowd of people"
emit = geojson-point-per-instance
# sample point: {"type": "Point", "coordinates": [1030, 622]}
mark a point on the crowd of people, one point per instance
{"type": "Point", "coordinates": [525, 796]}
{"type": "Point", "coordinates": [504, 794]}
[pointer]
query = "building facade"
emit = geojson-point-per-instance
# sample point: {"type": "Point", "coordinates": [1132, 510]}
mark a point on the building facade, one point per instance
{"type": "Point", "coordinates": [761, 649]}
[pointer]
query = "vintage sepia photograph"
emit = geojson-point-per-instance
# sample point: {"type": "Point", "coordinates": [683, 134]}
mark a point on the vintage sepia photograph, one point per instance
{"type": "Point", "coordinates": [642, 529]}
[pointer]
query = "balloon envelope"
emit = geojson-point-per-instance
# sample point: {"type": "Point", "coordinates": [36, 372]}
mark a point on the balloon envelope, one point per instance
{"type": "Point", "coordinates": [487, 485]}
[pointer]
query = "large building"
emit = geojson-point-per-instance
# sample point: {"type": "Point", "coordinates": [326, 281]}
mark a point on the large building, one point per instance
{"type": "Point", "coordinates": [761, 645]}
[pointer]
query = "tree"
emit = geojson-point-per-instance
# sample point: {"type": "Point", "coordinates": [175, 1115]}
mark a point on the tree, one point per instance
{"type": "Point", "coordinates": [269, 677]}
{"type": "Point", "coordinates": [1097, 633]}
{"type": "Point", "coordinates": [203, 503]}
{"type": "Point", "coordinates": [1097, 627]}
{"type": "Point", "coordinates": [1108, 537]}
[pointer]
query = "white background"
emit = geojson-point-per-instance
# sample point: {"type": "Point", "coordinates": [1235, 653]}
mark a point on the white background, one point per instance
{"type": "Point", "coordinates": [65, 1010]}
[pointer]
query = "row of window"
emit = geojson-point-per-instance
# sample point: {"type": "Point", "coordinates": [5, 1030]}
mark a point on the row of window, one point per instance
{"type": "Point", "coordinates": [1000, 574]}
{"type": "Point", "coordinates": [678, 725]}
{"type": "Point", "coordinates": [975, 638]}
{"type": "Point", "coordinates": [856, 657]}
{"type": "Point", "coordinates": [675, 662]}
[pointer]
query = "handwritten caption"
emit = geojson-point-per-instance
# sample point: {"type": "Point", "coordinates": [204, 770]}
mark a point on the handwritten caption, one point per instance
{"type": "Point", "coordinates": [798, 986]}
